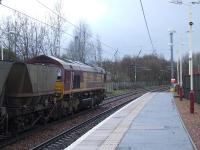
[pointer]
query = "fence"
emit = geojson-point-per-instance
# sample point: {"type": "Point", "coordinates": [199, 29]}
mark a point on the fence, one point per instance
{"type": "Point", "coordinates": [186, 87]}
{"type": "Point", "coordinates": [110, 86]}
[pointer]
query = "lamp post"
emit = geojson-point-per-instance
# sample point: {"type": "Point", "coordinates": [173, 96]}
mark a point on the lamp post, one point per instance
{"type": "Point", "coordinates": [171, 32]}
{"type": "Point", "coordinates": [1, 50]}
{"type": "Point", "coordinates": [135, 65]}
{"type": "Point", "coordinates": [191, 95]}
{"type": "Point", "coordinates": [115, 69]}
{"type": "Point", "coordinates": [181, 75]}
{"type": "Point", "coordinates": [15, 39]}
{"type": "Point", "coordinates": [178, 72]}
{"type": "Point", "coordinates": [1, 43]}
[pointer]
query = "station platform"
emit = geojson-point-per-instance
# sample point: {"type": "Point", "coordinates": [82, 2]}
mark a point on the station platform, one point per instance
{"type": "Point", "coordinates": [151, 122]}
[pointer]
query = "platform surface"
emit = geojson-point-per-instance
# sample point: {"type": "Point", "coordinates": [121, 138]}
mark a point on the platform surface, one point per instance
{"type": "Point", "coordinates": [151, 122]}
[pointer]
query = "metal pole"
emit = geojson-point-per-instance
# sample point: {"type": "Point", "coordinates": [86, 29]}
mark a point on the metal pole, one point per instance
{"type": "Point", "coordinates": [172, 64]}
{"type": "Point", "coordinates": [9, 47]}
{"type": "Point", "coordinates": [190, 48]}
{"type": "Point", "coordinates": [191, 96]}
{"type": "Point", "coordinates": [181, 70]}
{"type": "Point", "coordinates": [135, 73]}
{"type": "Point", "coordinates": [76, 48]}
{"type": "Point", "coordinates": [181, 76]}
{"type": "Point", "coordinates": [115, 67]}
{"type": "Point", "coordinates": [172, 61]}
{"type": "Point", "coordinates": [135, 65]}
{"type": "Point", "coordinates": [16, 39]}
{"type": "Point", "coordinates": [177, 65]}
{"type": "Point", "coordinates": [178, 73]}
{"type": "Point", "coordinates": [1, 50]}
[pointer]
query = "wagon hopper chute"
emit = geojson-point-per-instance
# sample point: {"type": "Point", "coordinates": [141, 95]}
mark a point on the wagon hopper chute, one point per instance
{"type": "Point", "coordinates": [25, 93]}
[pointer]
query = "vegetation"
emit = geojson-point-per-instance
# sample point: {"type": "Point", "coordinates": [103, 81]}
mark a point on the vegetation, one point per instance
{"type": "Point", "coordinates": [9, 55]}
{"type": "Point", "coordinates": [27, 38]}
{"type": "Point", "coordinates": [118, 92]}
{"type": "Point", "coordinates": [196, 63]}
{"type": "Point", "coordinates": [148, 68]}
{"type": "Point", "coordinates": [23, 38]}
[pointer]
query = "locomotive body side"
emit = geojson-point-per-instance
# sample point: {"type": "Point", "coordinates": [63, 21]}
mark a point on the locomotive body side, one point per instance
{"type": "Point", "coordinates": [78, 85]}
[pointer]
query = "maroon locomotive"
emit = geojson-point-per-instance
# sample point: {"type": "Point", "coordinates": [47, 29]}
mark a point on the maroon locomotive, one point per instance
{"type": "Point", "coordinates": [78, 85]}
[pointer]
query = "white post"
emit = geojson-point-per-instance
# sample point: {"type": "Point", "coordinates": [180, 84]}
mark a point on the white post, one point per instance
{"type": "Point", "coordinates": [191, 95]}
{"type": "Point", "coordinates": [178, 75]}
{"type": "Point", "coordinates": [181, 72]}
{"type": "Point", "coordinates": [190, 49]}
{"type": "Point", "coordinates": [180, 58]}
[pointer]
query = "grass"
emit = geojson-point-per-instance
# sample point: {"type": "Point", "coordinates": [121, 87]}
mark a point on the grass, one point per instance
{"type": "Point", "coordinates": [117, 92]}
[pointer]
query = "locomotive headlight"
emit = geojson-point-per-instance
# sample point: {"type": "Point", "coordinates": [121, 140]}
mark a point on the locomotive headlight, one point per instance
{"type": "Point", "coordinates": [59, 72]}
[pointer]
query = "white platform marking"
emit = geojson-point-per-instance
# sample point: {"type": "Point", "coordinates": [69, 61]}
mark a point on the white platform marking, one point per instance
{"type": "Point", "coordinates": [117, 134]}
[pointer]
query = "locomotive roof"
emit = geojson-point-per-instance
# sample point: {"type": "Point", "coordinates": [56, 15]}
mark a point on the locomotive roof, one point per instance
{"type": "Point", "coordinates": [66, 64]}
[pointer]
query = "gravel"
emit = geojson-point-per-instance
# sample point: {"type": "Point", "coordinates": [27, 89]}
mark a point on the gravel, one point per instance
{"type": "Point", "coordinates": [191, 121]}
{"type": "Point", "coordinates": [38, 137]}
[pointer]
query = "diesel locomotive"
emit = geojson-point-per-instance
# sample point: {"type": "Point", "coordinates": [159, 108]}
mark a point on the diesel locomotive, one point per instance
{"type": "Point", "coordinates": [46, 88]}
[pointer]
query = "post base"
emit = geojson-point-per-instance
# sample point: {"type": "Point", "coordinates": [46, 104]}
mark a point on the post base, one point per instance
{"type": "Point", "coordinates": [181, 93]}
{"type": "Point", "coordinates": [191, 98]}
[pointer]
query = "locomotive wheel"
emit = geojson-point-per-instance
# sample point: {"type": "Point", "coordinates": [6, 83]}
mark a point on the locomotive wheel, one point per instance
{"type": "Point", "coordinates": [65, 112]}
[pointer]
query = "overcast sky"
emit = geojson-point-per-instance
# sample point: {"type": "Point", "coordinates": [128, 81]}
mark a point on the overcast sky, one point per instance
{"type": "Point", "coordinates": [120, 23]}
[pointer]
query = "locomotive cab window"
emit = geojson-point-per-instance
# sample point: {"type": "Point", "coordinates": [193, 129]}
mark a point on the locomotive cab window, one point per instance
{"type": "Point", "coordinates": [76, 81]}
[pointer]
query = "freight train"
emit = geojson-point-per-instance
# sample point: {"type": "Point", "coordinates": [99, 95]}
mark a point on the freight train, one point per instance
{"type": "Point", "coordinates": [46, 88]}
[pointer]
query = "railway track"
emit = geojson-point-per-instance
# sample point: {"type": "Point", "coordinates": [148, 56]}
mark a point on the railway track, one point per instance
{"type": "Point", "coordinates": [64, 139]}
{"type": "Point", "coordinates": [107, 101]}
{"type": "Point", "coordinates": [67, 137]}
{"type": "Point", "coordinates": [8, 140]}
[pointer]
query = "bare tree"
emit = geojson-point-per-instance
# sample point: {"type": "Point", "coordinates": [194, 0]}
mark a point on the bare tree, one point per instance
{"type": "Point", "coordinates": [81, 48]}
{"type": "Point", "coordinates": [99, 51]}
{"type": "Point", "coordinates": [71, 51]}
{"type": "Point", "coordinates": [23, 37]}
{"type": "Point", "coordinates": [84, 34]}
{"type": "Point", "coordinates": [55, 35]}
{"type": "Point", "coordinates": [150, 68]}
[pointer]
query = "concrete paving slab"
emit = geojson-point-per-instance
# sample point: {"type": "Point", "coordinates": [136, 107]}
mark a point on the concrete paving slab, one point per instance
{"type": "Point", "coordinates": [149, 146]}
{"type": "Point", "coordinates": [157, 127]}
{"type": "Point", "coordinates": [149, 123]}
{"type": "Point", "coordinates": [114, 127]}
